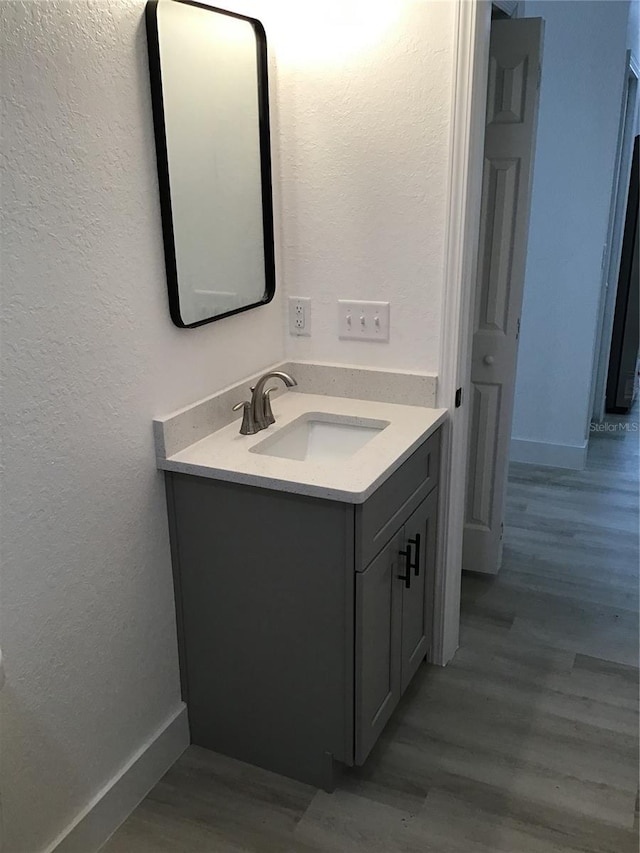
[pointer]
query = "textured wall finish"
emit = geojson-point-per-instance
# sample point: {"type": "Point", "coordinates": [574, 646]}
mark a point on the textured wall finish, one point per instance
{"type": "Point", "coordinates": [583, 69]}
{"type": "Point", "coordinates": [89, 356]}
{"type": "Point", "coordinates": [364, 148]}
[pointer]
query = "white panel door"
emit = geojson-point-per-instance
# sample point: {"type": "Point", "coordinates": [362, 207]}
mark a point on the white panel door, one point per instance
{"type": "Point", "coordinates": [512, 112]}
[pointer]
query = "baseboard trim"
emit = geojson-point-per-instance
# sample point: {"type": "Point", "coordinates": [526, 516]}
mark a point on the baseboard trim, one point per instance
{"type": "Point", "coordinates": [119, 797]}
{"type": "Point", "coordinates": [569, 456]}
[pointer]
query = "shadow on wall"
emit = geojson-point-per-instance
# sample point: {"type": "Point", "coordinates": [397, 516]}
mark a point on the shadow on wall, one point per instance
{"type": "Point", "coordinates": [28, 735]}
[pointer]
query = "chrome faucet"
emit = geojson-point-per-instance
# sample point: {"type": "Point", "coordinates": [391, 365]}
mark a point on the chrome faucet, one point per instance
{"type": "Point", "coordinates": [257, 414]}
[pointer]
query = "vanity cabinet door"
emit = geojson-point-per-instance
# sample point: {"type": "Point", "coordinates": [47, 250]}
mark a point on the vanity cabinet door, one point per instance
{"type": "Point", "coordinates": [378, 646]}
{"type": "Point", "coordinates": [419, 547]}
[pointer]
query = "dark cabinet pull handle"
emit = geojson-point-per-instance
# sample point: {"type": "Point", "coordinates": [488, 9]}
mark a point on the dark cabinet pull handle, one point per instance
{"type": "Point", "coordinates": [416, 564]}
{"type": "Point", "coordinates": [406, 578]}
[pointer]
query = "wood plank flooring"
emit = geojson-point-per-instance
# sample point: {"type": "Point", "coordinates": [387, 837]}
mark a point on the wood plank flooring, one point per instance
{"type": "Point", "coordinates": [526, 743]}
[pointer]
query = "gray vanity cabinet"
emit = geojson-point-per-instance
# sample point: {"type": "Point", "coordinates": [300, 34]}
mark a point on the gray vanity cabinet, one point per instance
{"type": "Point", "coordinates": [378, 669]}
{"type": "Point", "coordinates": [417, 614]}
{"type": "Point", "coordinates": [394, 597]}
{"type": "Point", "coordinates": [297, 634]}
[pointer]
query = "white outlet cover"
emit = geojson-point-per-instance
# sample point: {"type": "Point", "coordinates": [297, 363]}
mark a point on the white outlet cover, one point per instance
{"type": "Point", "coordinates": [300, 316]}
{"type": "Point", "coordinates": [363, 321]}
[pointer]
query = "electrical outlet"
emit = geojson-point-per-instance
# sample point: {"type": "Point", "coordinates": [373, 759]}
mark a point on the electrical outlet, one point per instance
{"type": "Point", "coordinates": [300, 316]}
{"type": "Point", "coordinates": [363, 321]}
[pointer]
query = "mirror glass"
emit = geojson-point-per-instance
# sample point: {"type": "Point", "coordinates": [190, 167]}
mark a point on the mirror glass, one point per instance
{"type": "Point", "coordinates": [211, 114]}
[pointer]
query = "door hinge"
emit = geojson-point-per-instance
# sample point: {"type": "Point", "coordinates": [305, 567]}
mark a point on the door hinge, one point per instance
{"type": "Point", "coordinates": [518, 330]}
{"type": "Point", "coordinates": [458, 398]}
{"type": "Point", "coordinates": [501, 530]}
{"type": "Point", "coordinates": [539, 77]}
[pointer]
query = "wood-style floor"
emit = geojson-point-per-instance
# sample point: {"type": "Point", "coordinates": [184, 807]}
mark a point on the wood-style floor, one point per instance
{"type": "Point", "coordinates": [526, 743]}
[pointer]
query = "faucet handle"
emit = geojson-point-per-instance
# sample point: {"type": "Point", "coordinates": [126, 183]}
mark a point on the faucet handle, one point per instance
{"type": "Point", "coordinates": [248, 426]}
{"type": "Point", "coordinates": [266, 402]}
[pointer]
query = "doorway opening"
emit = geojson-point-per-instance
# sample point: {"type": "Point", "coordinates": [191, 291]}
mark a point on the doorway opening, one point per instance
{"type": "Point", "coordinates": [613, 257]}
{"type": "Point", "coordinates": [556, 436]}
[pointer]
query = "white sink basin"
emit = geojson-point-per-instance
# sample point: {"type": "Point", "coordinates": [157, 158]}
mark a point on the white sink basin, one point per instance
{"type": "Point", "coordinates": [317, 436]}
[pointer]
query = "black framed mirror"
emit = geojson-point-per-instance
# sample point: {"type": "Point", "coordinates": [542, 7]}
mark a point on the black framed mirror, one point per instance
{"type": "Point", "coordinates": [209, 91]}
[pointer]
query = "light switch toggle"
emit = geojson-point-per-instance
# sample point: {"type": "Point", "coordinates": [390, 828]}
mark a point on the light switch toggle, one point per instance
{"type": "Point", "coordinates": [373, 320]}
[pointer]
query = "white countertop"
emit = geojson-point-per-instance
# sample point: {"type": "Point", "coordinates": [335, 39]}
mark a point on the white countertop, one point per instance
{"type": "Point", "coordinates": [225, 454]}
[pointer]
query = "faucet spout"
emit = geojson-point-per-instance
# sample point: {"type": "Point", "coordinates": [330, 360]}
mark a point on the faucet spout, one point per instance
{"type": "Point", "coordinates": [258, 401]}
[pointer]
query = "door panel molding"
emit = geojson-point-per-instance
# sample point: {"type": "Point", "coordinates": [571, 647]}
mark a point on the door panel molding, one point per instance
{"type": "Point", "coordinates": [500, 199]}
{"type": "Point", "coordinates": [485, 422]}
{"type": "Point", "coordinates": [507, 92]}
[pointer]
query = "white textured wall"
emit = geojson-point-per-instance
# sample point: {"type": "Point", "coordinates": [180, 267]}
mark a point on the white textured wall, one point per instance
{"type": "Point", "coordinates": [582, 78]}
{"type": "Point", "coordinates": [89, 356]}
{"type": "Point", "coordinates": [365, 101]}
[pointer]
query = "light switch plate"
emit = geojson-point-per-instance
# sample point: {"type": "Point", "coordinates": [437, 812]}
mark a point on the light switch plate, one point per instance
{"type": "Point", "coordinates": [300, 316]}
{"type": "Point", "coordinates": [363, 321]}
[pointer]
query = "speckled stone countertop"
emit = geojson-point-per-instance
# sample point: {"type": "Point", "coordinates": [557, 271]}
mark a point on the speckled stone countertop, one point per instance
{"type": "Point", "coordinates": [227, 455]}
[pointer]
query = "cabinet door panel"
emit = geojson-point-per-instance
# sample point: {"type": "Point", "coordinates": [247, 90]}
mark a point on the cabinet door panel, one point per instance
{"type": "Point", "coordinates": [417, 601]}
{"type": "Point", "coordinates": [378, 643]}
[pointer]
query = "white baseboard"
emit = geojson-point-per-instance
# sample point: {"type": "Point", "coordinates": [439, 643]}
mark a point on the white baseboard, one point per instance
{"type": "Point", "coordinates": [551, 455]}
{"type": "Point", "coordinates": [119, 797]}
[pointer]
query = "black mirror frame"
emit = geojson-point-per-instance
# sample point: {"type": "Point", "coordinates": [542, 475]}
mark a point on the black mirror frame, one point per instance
{"type": "Point", "coordinates": [157, 102]}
